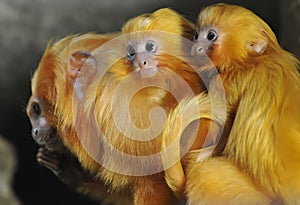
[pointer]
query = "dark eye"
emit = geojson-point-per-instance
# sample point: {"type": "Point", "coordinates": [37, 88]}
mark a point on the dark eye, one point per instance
{"type": "Point", "coordinates": [196, 35]}
{"type": "Point", "coordinates": [150, 46]}
{"type": "Point", "coordinates": [212, 35]}
{"type": "Point", "coordinates": [36, 109]}
{"type": "Point", "coordinates": [130, 53]}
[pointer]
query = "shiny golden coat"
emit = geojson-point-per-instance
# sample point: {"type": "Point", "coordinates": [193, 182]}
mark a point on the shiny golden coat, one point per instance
{"type": "Point", "coordinates": [260, 163]}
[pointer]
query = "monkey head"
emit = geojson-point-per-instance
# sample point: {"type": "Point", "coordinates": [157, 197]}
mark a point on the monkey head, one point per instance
{"type": "Point", "coordinates": [216, 36]}
{"type": "Point", "coordinates": [43, 108]}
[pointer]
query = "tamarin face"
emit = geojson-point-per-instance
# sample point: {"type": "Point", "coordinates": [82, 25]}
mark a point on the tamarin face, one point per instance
{"type": "Point", "coordinates": [205, 40]}
{"type": "Point", "coordinates": [231, 35]}
{"type": "Point", "coordinates": [154, 45]}
{"type": "Point", "coordinates": [43, 128]}
{"type": "Point", "coordinates": [151, 52]}
{"type": "Point", "coordinates": [141, 55]}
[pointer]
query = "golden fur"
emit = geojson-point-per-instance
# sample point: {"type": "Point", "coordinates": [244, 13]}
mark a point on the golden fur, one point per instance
{"type": "Point", "coordinates": [147, 190]}
{"type": "Point", "coordinates": [52, 84]}
{"type": "Point", "coordinates": [262, 86]}
{"type": "Point", "coordinates": [144, 187]}
{"type": "Point", "coordinates": [182, 135]}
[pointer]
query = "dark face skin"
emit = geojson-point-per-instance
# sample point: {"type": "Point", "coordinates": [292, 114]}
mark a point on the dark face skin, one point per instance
{"type": "Point", "coordinates": [43, 132]}
{"type": "Point", "coordinates": [142, 57]}
{"type": "Point", "coordinates": [204, 40]}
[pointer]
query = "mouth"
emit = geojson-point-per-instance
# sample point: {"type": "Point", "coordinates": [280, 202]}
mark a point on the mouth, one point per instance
{"type": "Point", "coordinates": [49, 139]}
{"type": "Point", "coordinates": [45, 140]}
{"type": "Point", "coordinates": [147, 72]}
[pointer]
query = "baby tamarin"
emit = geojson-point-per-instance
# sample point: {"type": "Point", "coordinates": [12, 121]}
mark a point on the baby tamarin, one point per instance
{"type": "Point", "coordinates": [260, 163]}
{"type": "Point", "coordinates": [46, 127]}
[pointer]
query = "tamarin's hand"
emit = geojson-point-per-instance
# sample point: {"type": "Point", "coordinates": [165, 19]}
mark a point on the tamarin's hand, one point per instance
{"type": "Point", "coordinates": [65, 166]}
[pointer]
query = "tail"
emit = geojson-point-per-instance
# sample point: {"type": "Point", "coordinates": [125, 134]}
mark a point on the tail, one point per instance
{"type": "Point", "coordinates": [188, 110]}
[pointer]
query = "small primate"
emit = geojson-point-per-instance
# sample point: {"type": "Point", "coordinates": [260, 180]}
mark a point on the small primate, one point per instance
{"type": "Point", "coordinates": [71, 66]}
{"type": "Point", "coordinates": [144, 63]}
{"type": "Point", "coordinates": [259, 163]}
{"type": "Point", "coordinates": [46, 129]}
{"type": "Point", "coordinates": [143, 79]}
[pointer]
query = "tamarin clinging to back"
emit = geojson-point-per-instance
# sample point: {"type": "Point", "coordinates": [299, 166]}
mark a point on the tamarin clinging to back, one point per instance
{"type": "Point", "coordinates": [260, 162]}
{"type": "Point", "coordinates": [158, 79]}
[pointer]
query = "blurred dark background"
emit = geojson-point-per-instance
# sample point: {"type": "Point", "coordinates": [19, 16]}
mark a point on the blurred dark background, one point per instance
{"type": "Point", "coordinates": [27, 25]}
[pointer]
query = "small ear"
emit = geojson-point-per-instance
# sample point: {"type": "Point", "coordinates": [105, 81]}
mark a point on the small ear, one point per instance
{"type": "Point", "coordinates": [259, 46]}
{"type": "Point", "coordinates": [77, 61]}
{"type": "Point", "coordinates": [82, 68]}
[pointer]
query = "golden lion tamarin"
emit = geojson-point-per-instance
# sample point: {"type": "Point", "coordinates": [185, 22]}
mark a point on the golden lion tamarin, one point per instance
{"type": "Point", "coordinates": [148, 65]}
{"type": "Point", "coordinates": [260, 163]}
{"type": "Point", "coordinates": [70, 64]}
{"type": "Point", "coordinates": [118, 105]}
{"type": "Point", "coordinates": [46, 129]}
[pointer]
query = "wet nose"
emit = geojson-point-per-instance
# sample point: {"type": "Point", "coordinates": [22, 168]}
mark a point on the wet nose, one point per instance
{"type": "Point", "coordinates": [197, 50]}
{"type": "Point", "coordinates": [144, 60]}
{"type": "Point", "coordinates": [35, 132]}
{"type": "Point", "coordinates": [143, 63]}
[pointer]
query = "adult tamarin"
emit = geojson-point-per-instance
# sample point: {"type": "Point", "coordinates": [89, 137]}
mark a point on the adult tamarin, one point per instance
{"type": "Point", "coordinates": [152, 72]}
{"type": "Point", "coordinates": [45, 121]}
{"type": "Point", "coordinates": [260, 163]}
{"type": "Point", "coordinates": [66, 72]}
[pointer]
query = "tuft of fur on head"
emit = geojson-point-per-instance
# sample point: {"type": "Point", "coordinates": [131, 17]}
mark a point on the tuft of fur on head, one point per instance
{"type": "Point", "coordinates": [172, 26]}
{"type": "Point", "coordinates": [160, 20]}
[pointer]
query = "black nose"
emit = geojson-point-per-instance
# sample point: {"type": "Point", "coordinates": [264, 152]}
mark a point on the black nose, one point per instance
{"type": "Point", "coordinates": [35, 132]}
